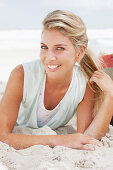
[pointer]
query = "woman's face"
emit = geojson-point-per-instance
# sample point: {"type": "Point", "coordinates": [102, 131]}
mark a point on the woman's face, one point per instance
{"type": "Point", "coordinates": [57, 53]}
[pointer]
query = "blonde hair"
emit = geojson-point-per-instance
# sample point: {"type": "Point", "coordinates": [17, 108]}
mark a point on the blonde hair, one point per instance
{"type": "Point", "coordinates": [73, 27]}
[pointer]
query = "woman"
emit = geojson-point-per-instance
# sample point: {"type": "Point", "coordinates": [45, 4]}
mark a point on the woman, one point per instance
{"type": "Point", "coordinates": [50, 91]}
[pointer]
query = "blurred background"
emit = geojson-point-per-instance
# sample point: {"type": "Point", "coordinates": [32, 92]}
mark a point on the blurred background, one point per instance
{"type": "Point", "coordinates": [21, 23]}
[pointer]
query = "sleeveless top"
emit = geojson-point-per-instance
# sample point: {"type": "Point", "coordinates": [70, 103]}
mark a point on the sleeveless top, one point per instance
{"type": "Point", "coordinates": [44, 115]}
{"type": "Point", "coordinates": [33, 80]}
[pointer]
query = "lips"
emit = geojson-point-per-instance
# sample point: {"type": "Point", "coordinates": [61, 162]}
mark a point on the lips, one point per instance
{"type": "Point", "coordinates": [53, 67]}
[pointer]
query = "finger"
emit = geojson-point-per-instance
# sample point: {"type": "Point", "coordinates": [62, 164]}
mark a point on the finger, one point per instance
{"type": "Point", "coordinates": [92, 141]}
{"type": "Point", "coordinates": [94, 79]}
{"type": "Point", "coordinates": [95, 142]}
{"type": "Point", "coordinates": [101, 71]}
{"type": "Point", "coordinates": [98, 73]}
{"type": "Point", "coordinates": [85, 147]}
{"type": "Point", "coordinates": [98, 76]}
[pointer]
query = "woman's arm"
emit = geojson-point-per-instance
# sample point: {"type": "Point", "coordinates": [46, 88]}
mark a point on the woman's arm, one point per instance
{"type": "Point", "coordinates": [98, 126]}
{"type": "Point", "coordinates": [10, 103]}
{"type": "Point", "coordinates": [85, 111]}
{"type": "Point", "coordinates": [75, 141]}
{"type": "Point", "coordinates": [9, 107]}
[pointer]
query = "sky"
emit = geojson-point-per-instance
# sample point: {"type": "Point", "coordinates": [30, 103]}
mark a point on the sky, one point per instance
{"type": "Point", "coordinates": [28, 14]}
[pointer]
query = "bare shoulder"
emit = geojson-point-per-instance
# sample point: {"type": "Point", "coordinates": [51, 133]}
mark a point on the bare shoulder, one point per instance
{"type": "Point", "coordinates": [17, 75]}
{"type": "Point", "coordinates": [14, 87]}
{"type": "Point", "coordinates": [18, 72]}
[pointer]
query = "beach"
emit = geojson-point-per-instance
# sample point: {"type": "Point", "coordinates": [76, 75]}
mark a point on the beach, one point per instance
{"type": "Point", "coordinates": [18, 46]}
{"type": "Point", "coordinates": [39, 157]}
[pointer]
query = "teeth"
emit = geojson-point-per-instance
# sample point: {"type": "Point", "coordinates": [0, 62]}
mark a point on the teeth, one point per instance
{"type": "Point", "coordinates": [53, 66]}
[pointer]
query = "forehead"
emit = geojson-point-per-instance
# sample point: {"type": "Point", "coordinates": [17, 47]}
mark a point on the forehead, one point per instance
{"type": "Point", "coordinates": [55, 37]}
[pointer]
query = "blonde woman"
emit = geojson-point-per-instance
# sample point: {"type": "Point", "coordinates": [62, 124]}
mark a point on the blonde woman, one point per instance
{"type": "Point", "coordinates": [51, 90]}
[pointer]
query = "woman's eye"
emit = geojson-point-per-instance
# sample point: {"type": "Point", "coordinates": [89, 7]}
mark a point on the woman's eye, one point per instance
{"type": "Point", "coordinates": [43, 47]}
{"type": "Point", "coordinates": [60, 48]}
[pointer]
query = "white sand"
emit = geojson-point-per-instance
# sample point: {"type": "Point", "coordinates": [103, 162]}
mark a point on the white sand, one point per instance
{"type": "Point", "coordinates": [41, 157]}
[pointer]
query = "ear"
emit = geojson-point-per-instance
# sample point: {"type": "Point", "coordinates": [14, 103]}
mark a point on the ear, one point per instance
{"type": "Point", "coordinates": [83, 50]}
{"type": "Point", "coordinates": [81, 53]}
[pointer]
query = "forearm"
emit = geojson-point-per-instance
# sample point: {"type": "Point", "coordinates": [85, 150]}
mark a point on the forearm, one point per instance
{"type": "Point", "coordinates": [75, 141]}
{"type": "Point", "coordinates": [100, 123]}
{"type": "Point", "coordinates": [21, 141]}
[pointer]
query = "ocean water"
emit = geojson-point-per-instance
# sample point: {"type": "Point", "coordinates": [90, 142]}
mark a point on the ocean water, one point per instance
{"type": "Point", "coordinates": [19, 46]}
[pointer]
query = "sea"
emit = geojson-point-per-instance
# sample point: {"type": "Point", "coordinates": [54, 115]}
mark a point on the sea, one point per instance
{"type": "Point", "coordinates": [19, 46]}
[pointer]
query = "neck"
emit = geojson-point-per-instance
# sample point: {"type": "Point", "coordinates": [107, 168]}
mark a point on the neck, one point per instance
{"type": "Point", "coordinates": [59, 82]}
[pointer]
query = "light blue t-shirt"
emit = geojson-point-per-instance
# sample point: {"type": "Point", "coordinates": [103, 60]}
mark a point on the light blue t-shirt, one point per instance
{"type": "Point", "coordinates": [33, 79]}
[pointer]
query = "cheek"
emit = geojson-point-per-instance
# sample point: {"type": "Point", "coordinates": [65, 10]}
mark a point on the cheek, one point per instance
{"type": "Point", "coordinates": [42, 53]}
{"type": "Point", "coordinates": [42, 59]}
{"type": "Point", "coordinates": [42, 56]}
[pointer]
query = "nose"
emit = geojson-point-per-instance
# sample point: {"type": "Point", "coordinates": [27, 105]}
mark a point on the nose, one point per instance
{"type": "Point", "coordinates": [50, 55]}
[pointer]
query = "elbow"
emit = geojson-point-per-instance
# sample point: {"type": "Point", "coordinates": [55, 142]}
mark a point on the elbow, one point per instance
{"type": "Point", "coordinates": [4, 137]}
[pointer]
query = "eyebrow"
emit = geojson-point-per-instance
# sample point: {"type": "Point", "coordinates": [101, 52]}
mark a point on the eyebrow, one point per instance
{"type": "Point", "coordinates": [56, 44]}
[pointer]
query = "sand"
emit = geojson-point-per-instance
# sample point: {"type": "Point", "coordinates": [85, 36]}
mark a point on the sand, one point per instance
{"type": "Point", "coordinates": [41, 157]}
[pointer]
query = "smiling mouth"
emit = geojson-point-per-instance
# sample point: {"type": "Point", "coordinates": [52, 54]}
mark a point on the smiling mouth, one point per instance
{"type": "Point", "coordinates": [53, 66]}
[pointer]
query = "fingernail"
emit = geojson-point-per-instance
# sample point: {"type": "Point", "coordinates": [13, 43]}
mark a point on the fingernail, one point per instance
{"type": "Point", "coordinates": [100, 144]}
{"type": "Point", "coordinates": [91, 82]}
{"type": "Point", "coordinates": [92, 149]}
{"type": "Point", "coordinates": [89, 148]}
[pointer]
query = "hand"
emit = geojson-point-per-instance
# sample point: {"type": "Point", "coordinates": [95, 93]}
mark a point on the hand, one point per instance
{"type": "Point", "coordinates": [79, 141]}
{"type": "Point", "coordinates": [103, 80]}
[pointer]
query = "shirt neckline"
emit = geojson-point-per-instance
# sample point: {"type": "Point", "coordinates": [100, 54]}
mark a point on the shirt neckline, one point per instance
{"type": "Point", "coordinates": [43, 90]}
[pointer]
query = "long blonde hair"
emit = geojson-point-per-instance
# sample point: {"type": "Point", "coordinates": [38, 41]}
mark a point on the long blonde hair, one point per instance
{"type": "Point", "coordinates": [73, 27]}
